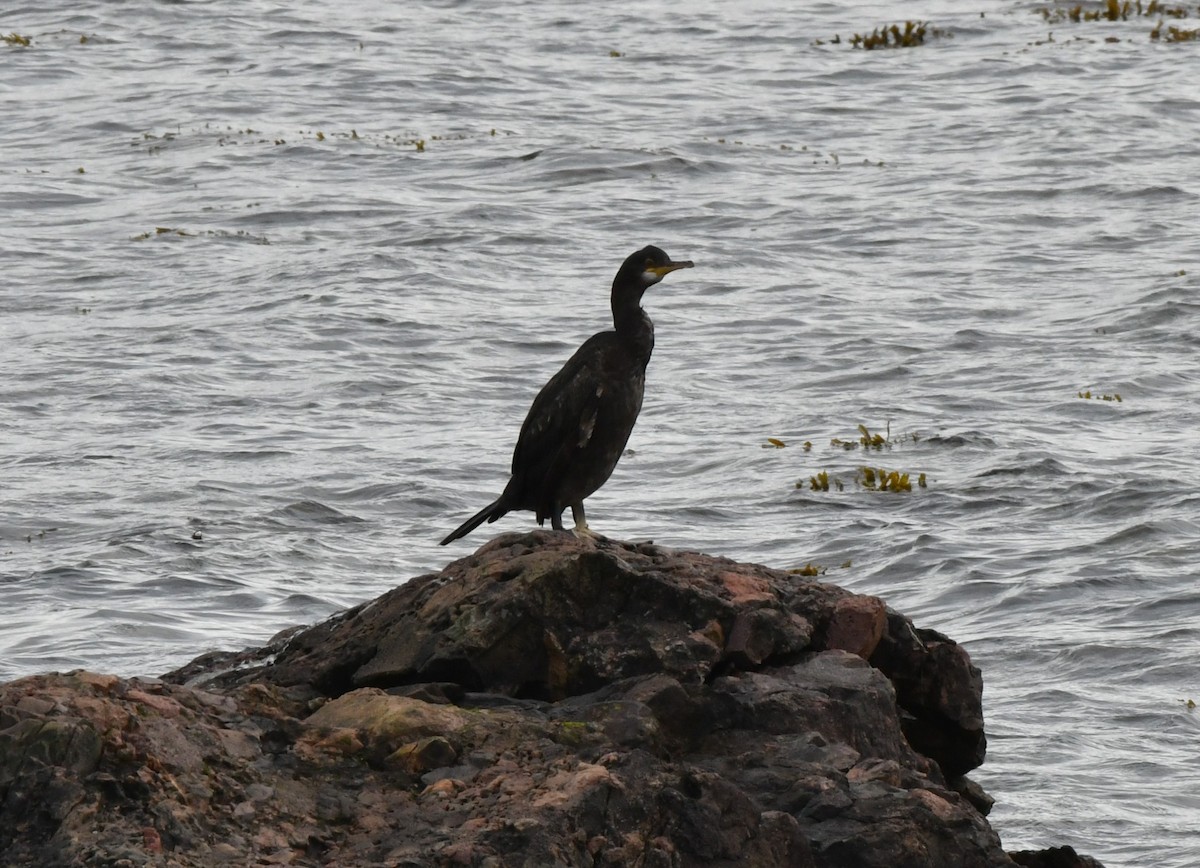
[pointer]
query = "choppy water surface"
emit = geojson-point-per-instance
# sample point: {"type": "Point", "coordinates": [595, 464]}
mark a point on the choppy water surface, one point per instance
{"type": "Point", "coordinates": [261, 350]}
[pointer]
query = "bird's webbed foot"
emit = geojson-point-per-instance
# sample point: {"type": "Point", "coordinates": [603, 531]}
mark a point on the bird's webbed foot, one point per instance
{"type": "Point", "coordinates": [581, 529]}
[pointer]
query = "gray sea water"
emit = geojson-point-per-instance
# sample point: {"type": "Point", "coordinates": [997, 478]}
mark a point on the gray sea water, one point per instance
{"type": "Point", "coordinates": [279, 282]}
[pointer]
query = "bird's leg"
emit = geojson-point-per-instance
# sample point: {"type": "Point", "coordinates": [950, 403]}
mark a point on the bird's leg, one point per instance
{"type": "Point", "coordinates": [556, 520]}
{"type": "Point", "coordinates": [581, 526]}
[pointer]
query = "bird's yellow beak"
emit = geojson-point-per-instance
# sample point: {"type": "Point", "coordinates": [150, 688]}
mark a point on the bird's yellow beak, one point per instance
{"type": "Point", "coordinates": [661, 270]}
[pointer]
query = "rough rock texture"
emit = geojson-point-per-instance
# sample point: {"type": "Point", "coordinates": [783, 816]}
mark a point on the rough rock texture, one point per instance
{"type": "Point", "coordinates": [546, 701]}
{"type": "Point", "coordinates": [1055, 857]}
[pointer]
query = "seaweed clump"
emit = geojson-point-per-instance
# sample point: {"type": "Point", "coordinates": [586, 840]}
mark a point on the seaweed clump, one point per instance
{"type": "Point", "coordinates": [1112, 10]}
{"type": "Point", "coordinates": [1115, 10]}
{"type": "Point", "coordinates": [912, 35]}
{"type": "Point", "coordinates": [869, 439]}
{"type": "Point", "coordinates": [1175, 34]}
{"type": "Point", "coordinates": [871, 478]}
{"type": "Point", "coordinates": [878, 479]}
{"type": "Point", "coordinates": [1089, 395]}
{"type": "Point", "coordinates": [238, 235]}
{"type": "Point", "coordinates": [821, 481]}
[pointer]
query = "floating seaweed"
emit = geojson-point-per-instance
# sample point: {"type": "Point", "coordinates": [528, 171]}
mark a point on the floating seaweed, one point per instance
{"type": "Point", "coordinates": [17, 39]}
{"type": "Point", "coordinates": [1175, 34]}
{"type": "Point", "coordinates": [866, 439]}
{"type": "Point", "coordinates": [828, 158]}
{"type": "Point", "coordinates": [773, 443]}
{"type": "Point", "coordinates": [874, 441]}
{"type": "Point", "coordinates": [1112, 10]}
{"type": "Point", "coordinates": [162, 230]}
{"type": "Point", "coordinates": [1116, 10]}
{"type": "Point", "coordinates": [822, 481]}
{"type": "Point", "coordinates": [239, 235]}
{"type": "Point", "coordinates": [1088, 395]}
{"type": "Point", "coordinates": [229, 136]}
{"type": "Point", "coordinates": [870, 478]}
{"type": "Point", "coordinates": [878, 479]}
{"type": "Point", "coordinates": [892, 36]}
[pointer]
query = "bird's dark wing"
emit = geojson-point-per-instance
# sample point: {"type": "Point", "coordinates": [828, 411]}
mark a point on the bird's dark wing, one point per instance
{"type": "Point", "coordinates": [563, 416]}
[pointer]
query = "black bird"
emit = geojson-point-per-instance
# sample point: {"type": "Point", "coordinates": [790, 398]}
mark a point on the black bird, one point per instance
{"type": "Point", "coordinates": [580, 422]}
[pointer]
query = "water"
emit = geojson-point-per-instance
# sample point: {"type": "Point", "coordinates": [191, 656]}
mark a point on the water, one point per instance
{"type": "Point", "coordinates": [277, 406]}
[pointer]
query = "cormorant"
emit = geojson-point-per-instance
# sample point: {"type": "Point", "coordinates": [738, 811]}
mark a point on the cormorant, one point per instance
{"type": "Point", "coordinates": [580, 422]}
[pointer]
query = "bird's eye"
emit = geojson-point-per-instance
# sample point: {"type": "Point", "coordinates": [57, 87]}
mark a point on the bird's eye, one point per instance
{"type": "Point", "coordinates": [649, 264]}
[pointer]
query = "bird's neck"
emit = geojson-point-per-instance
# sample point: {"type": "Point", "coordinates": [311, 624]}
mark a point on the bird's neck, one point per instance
{"type": "Point", "coordinates": [635, 329]}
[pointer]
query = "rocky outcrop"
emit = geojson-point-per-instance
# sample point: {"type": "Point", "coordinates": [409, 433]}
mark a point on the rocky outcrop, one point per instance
{"type": "Point", "coordinates": [545, 701]}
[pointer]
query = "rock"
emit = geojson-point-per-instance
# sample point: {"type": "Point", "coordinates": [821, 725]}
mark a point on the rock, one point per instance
{"type": "Point", "coordinates": [1055, 857]}
{"type": "Point", "coordinates": [421, 757]}
{"type": "Point", "coordinates": [547, 701]}
{"type": "Point", "coordinates": [939, 691]}
{"type": "Point", "coordinates": [40, 742]}
{"type": "Point", "coordinates": [856, 625]}
{"type": "Point", "coordinates": [974, 794]}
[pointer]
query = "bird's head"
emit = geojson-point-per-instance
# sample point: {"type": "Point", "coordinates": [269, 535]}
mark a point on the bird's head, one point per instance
{"type": "Point", "coordinates": [645, 268]}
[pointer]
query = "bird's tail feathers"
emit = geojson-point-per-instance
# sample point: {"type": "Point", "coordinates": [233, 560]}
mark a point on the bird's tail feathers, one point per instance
{"type": "Point", "coordinates": [489, 513]}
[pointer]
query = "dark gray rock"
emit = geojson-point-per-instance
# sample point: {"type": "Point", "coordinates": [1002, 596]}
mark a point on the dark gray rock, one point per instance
{"type": "Point", "coordinates": [545, 701]}
{"type": "Point", "coordinates": [1054, 857]}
